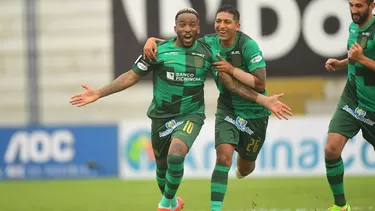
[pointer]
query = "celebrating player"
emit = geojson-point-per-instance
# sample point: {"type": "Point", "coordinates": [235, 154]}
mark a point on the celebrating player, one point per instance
{"type": "Point", "coordinates": [241, 124]}
{"type": "Point", "coordinates": [177, 110]}
{"type": "Point", "coordinates": [356, 108]}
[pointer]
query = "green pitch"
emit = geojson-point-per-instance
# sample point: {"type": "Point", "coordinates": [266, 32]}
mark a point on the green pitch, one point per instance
{"type": "Point", "coordinates": [282, 194]}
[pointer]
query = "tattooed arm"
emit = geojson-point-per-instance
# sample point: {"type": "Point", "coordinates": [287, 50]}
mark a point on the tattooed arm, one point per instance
{"type": "Point", "coordinates": [122, 82]}
{"type": "Point", "coordinates": [90, 95]}
{"type": "Point", "coordinates": [238, 88]}
{"type": "Point", "coordinates": [270, 102]}
{"type": "Point", "coordinates": [255, 79]}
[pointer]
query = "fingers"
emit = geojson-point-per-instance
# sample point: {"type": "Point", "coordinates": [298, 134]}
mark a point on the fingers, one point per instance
{"type": "Point", "coordinates": [76, 100]}
{"type": "Point", "coordinates": [355, 47]}
{"type": "Point", "coordinates": [153, 53]}
{"type": "Point", "coordinates": [219, 66]}
{"type": "Point", "coordinates": [329, 67]}
{"type": "Point", "coordinates": [279, 95]}
{"type": "Point", "coordinates": [85, 86]}
{"type": "Point", "coordinates": [277, 115]}
{"type": "Point", "coordinates": [76, 96]}
{"type": "Point", "coordinates": [358, 46]}
{"type": "Point", "coordinates": [149, 54]}
{"type": "Point", "coordinates": [280, 115]}
{"type": "Point", "coordinates": [329, 62]}
{"type": "Point", "coordinates": [81, 104]}
{"type": "Point", "coordinates": [283, 116]}
{"type": "Point", "coordinates": [283, 111]}
{"type": "Point", "coordinates": [285, 107]}
{"type": "Point", "coordinates": [287, 110]}
{"type": "Point", "coordinates": [221, 58]}
{"type": "Point", "coordinates": [218, 63]}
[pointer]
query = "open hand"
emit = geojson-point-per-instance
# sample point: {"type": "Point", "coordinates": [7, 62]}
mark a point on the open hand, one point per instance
{"type": "Point", "coordinates": [84, 98]}
{"type": "Point", "coordinates": [278, 108]}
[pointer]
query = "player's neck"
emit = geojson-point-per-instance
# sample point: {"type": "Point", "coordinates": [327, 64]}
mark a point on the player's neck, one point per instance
{"type": "Point", "coordinates": [227, 43]}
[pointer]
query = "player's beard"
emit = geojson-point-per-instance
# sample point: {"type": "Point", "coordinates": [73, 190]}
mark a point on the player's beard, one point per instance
{"type": "Point", "coordinates": [361, 17]}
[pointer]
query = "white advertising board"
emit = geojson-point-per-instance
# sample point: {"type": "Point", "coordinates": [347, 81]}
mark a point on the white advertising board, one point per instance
{"type": "Point", "coordinates": [292, 148]}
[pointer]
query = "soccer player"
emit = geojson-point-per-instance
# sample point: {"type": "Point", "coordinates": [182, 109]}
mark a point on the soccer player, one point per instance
{"type": "Point", "coordinates": [356, 107]}
{"type": "Point", "coordinates": [177, 109]}
{"type": "Point", "coordinates": [240, 124]}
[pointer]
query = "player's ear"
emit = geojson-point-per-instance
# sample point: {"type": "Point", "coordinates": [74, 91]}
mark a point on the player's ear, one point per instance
{"type": "Point", "coordinates": [238, 26]}
{"type": "Point", "coordinates": [198, 29]}
{"type": "Point", "coordinates": [175, 29]}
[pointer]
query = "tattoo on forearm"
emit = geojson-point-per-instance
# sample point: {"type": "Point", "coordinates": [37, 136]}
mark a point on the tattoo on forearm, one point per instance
{"type": "Point", "coordinates": [259, 79]}
{"type": "Point", "coordinates": [260, 73]}
{"type": "Point", "coordinates": [117, 85]}
{"type": "Point", "coordinates": [245, 91]}
{"type": "Point", "coordinates": [237, 87]}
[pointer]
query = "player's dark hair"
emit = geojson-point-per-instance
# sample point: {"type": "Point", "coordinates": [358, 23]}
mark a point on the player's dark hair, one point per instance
{"type": "Point", "coordinates": [231, 10]}
{"type": "Point", "coordinates": [369, 1]}
{"type": "Point", "coordinates": [187, 10]}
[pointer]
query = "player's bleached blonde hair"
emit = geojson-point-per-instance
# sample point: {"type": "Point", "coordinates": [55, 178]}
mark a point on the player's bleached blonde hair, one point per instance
{"type": "Point", "coordinates": [186, 10]}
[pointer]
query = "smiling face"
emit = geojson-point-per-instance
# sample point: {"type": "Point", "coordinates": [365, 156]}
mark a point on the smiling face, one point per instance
{"type": "Point", "coordinates": [226, 26]}
{"type": "Point", "coordinates": [361, 11]}
{"type": "Point", "coordinates": [187, 29]}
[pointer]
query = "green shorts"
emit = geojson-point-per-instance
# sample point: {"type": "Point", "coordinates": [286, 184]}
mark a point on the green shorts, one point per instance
{"type": "Point", "coordinates": [186, 128]}
{"type": "Point", "coordinates": [248, 135]}
{"type": "Point", "coordinates": [349, 119]}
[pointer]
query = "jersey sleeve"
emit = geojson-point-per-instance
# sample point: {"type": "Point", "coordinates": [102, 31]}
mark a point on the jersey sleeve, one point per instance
{"type": "Point", "coordinates": [253, 55]}
{"type": "Point", "coordinates": [141, 66]}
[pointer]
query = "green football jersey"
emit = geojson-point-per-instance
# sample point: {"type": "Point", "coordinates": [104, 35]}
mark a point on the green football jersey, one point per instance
{"type": "Point", "coordinates": [244, 54]}
{"type": "Point", "coordinates": [360, 78]}
{"type": "Point", "coordinates": [178, 78]}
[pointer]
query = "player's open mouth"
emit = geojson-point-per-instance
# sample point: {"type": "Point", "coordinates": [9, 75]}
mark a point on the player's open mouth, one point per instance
{"type": "Point", "coordinates": [356, 17]}
{"type": "Point", "coordinates": [188, 38]}
{"type": "Point", "coordinates": [222, 32]}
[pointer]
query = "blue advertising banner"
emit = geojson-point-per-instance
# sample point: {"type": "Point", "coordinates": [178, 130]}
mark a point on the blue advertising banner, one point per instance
{"type": "Point", "coordinates": [58, 152]}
